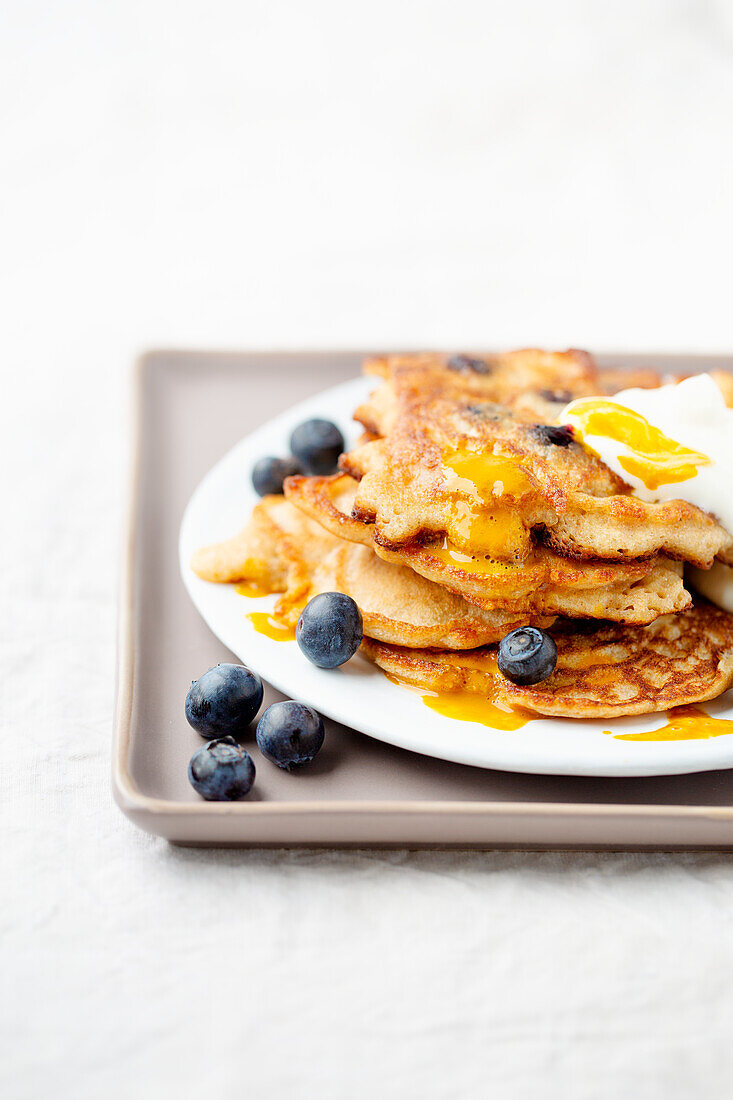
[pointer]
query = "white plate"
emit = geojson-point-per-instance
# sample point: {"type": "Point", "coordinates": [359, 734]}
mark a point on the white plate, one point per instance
{"type": "Point", "coordinates": [358, 694]}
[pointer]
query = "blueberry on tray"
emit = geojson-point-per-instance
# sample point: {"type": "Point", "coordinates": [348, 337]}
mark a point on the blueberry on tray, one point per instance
{"type": "Point", "coordinates": [290, 734]}
{"type": "Point", "coordinates": [224, 701]}
{"type": "Point", "coordinates": [221, 771]}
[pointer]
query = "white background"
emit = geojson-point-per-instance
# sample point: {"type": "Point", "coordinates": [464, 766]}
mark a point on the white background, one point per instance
{"type": "Point", "coordinates": [328, 174]}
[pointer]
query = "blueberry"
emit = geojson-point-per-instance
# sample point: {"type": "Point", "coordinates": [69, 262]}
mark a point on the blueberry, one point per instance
{"type": "Point", "coordinates": [317, 444]}
{"type": "Point", "coordinates": [489, 411]}
{"type": "Point", "coordinates": [269, 473]}
{"type": "Point", "coordinates": [223, 701]}
{"type": "Point", "coordinates": [527, 655]}
{"type": "Point", "coordinates": [329, 631]}
{"type": "Point", "coordinates": [221, 771]}
{"type": "Point", "coordinates": [468, 364]}
{"type": "Point", "coordinates": [549, 433]}
{"type": "Point", "coordinates": [558, 397]}
{"type": "Point", "coordinates": [290, 734]}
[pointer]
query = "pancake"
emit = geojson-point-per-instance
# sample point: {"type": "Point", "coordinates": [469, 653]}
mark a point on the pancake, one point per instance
{"type": "Point", "coordinates": [500, 378]}
{"type": "Point", "coordinates": [602, 673]}
{"type": "Point", "coordinates": [535, 384]}
{"type": "Point", "coordinates": [542, 583]}
{"type": "Point", "coordinates": [282, 550]}
{"type": "Point", "coordinates": [459, 457]}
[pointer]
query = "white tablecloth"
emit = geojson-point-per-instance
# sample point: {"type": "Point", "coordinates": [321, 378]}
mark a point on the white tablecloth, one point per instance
{"type": "Point", "coordinates": [248, 174]}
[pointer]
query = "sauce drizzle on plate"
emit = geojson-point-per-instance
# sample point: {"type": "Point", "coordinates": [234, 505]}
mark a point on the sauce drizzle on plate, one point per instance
{"type": "Point", "coordinates": [252, 589]}
{"type": "Point", "coordinates": [685, 724]}
{"type": "Point", "coordinates": [267, 624]}
{"type": "Point", "coordinates": [468, 706]}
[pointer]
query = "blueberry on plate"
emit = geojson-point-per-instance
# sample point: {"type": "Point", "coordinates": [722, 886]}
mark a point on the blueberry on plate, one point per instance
{"type": "Point", "coordinates": [468, 364]}
{"type": "Point", "coordinates": [329, 630]}
{"type": "Point", "coordinates": [290, 734]}
{"type": "Point", "coordinates": [269, 473]}
{"type": "Point", "coordinates": [221, 771]}
{"type": "Point", "coordinates": [527, 655]}
{"type": "Point", "coordinates": [223, 701]}
{"type": "Point", "coordinates": [317, 444]}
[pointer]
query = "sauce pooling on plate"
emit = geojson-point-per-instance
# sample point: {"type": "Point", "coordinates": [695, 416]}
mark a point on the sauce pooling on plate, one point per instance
{"type": "Point", "coordinates": [252, 589]}
{"type": "Point", "coordinates": [685, 724]}
{"type": "Point", "coordinates": [271, 627]}
{"type": "Point", "coordinates": [263, 621]}
{"type": "Point", "coordinates": [468, 706]}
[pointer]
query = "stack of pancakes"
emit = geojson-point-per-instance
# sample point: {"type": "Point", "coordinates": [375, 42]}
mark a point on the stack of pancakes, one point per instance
{"type": "Point", "coordinates": [465, 511]}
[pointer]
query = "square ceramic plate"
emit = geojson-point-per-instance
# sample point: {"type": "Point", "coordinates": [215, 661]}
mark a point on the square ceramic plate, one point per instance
{"type": "Point", "coordinates": [190, 409]}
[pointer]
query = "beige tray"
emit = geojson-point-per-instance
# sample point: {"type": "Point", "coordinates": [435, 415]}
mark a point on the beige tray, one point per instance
{"type": "Point", "coordinates": [190, 409]}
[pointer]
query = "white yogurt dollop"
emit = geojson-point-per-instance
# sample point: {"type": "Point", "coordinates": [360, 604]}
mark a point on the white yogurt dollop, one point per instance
{"type": "Point", "coordinates": [715, 583]}
{"type": "Point", "coordinates": [694, 414]}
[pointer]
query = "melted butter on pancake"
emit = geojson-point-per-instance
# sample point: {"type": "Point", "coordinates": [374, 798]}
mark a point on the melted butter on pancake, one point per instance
{"type": "Point", "coordinates": [579, 661]}
{"type": "Point", "coordinates": [483, 476]}
{"type": "Point", "coordinates": [471, 563]}
{"type": "Point", "coordinates": [653, 457]}
{"type": "Point", "coordinates": [482, 660]}
{"type": "Point", "coordinates": [496, 532]}
{"type": "Point", "coordinates": [481, 522]}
